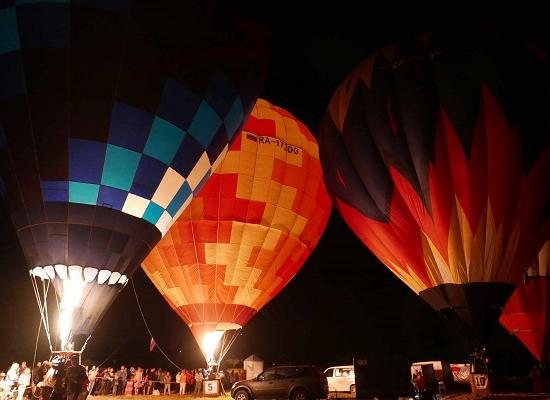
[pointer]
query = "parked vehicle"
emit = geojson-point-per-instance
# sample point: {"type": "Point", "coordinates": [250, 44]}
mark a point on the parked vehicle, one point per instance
{"type": "Point", "coordinates": [341, 379]}
{"type": "Point", "coordinates": [294, 382]}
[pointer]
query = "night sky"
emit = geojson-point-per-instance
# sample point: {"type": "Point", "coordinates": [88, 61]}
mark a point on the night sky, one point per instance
{"type": "Point", "coordinates": [344, 303]}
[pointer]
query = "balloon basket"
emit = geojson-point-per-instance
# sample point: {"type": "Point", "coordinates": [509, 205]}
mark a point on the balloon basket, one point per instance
{"type": "Point", "coordinates": [67, 354]}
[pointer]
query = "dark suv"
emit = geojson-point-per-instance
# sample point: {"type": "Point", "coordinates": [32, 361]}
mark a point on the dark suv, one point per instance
{"type": "Point", "coordinates": [294, 382]}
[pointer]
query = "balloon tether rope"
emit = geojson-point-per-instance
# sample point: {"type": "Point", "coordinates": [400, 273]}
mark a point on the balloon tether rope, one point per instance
{"type": "Point", "coordinates": [147, 327]}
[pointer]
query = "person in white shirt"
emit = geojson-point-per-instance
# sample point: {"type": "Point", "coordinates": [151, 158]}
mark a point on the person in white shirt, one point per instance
{"type": "Point", "coordinates": [92, 374]}
{"type": "Point", "coordinates": [12, 376]}
{"type": "Point", "coordinates": [23, 381]}
{"type": "Point", "coordinates": [4, 386]}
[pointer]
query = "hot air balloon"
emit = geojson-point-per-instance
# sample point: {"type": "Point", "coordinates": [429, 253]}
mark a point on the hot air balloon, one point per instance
{"type": "Point", "coordinates": [111, 117]}
{"type": "Point", "coordinates": [526, 315]}
{"type": "Point", "coordinates": [436, 153]}
{"type": "Point", "coordinates": [247, 233]}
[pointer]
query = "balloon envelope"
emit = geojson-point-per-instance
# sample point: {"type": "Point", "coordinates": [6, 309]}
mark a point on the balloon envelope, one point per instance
{"type": "Point", "coordinates": [250, 229]}
{"type": "Point", "coordinates": [526, 315]}
{"type": "Point", "coordinates": [433, 151]}
{"type": "Point", "coordinates": [111, 116]}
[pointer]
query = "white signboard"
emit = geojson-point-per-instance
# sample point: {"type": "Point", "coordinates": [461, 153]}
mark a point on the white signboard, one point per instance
{"type": "Point", "coordinates": [211, 387]}
{"type": "Point", "coordinates": [481, 381]}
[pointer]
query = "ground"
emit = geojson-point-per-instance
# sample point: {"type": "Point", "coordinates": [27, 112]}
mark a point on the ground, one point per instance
{"type": "Point", "coordinates": [187, 396]}
{"type": "Point", "coordinates": [511, 396]}
{"type": "Point", "coordinates": [503, 396]}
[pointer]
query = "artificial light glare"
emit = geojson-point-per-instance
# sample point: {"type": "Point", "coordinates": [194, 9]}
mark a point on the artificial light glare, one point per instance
{"type": "Point", "coordinates": [209, 343]}
{"type": "Point", "coordinates": [72, 292]}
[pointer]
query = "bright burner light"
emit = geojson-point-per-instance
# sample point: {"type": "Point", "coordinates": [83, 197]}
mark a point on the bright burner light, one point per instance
{"type": "Point", "coordinates": [72, 291]}
{"type": "Point", "coordinates": [209, 343]}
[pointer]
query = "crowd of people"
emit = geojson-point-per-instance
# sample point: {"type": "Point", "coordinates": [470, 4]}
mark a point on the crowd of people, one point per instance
{"type": "Point", "coordinates": [18, 376]}
{"type": "Point", "coordinates": [62, 379]}
{"type": "Point", "coordinates": [139, 381]}
{"type": "Point", "coordinates": [57, 379]}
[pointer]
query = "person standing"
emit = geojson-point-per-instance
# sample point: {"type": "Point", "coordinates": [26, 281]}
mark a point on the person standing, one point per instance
{"type": "Point", "coordinates": [167, 378]}
{"type": "Point", "coordinates": [23, 381]}
{"type": "Point", "coordinates": [60, 388]}
{"type": "Point", "coordinates": [115, 382]}
{"type": "Point", "coordinates": [190, 377]}
{"type": "Point", "coordinates": [198, 381]}
{"type": "Point", "coordinates": [123, 375]}
{"type": "Point", "coordinates": [225, 379]}
{"type": "Point", "coordinates": [218, 375]}
{"type": "Point", "coordinates": [76, 379]}
{"type": "Point", "coordinates": [182, 381]}
{"type": "Point", "coordinates": [129, 389]}
{"type": "Point", "coordinates": [151, 374]}
{"type": "Point", "coordinates": [37, 374]}
{"type": "Point", "coordinates": [102, 381]}
{"type": "Point", "coordinates": [110, 375]}
{"type": "Point", "coordinates": [138, 381]}
{"type": "Point", "coordinates": [145, 382]}
{"type": "Point", "coordinates": [4, 388]}
{"type": "Point", "coordinates": [119, 381]}
{"type": "Point", "coordinates": [92, 375]}
{"type": "Point", "coordinates": [158, 380]}
{"type": "Point", "coordinates": [12, 376]}
{"type": "Point", "coordinates": [47, 383]}
{"type": "Point", "coordinates": [421, 385]}
{"type": "Point", "coordinates": [21, 368]}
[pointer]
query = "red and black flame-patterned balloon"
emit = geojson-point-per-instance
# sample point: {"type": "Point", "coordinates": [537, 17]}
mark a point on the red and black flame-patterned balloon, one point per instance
{"type": "Point", "coordinates": [436, 153]}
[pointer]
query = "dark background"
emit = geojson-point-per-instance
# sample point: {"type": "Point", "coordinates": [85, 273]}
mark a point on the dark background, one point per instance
{"type": "Point", "coordinates": [343, 303]}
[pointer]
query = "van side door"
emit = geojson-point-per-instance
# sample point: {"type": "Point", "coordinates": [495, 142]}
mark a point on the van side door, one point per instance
{"type": "Point", "coordinates": [329, 374]}
{"type": "Point", "coordinates": [343, 378]}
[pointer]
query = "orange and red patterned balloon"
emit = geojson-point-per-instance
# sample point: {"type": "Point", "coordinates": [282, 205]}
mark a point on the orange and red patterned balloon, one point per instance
{"type": "Point", "coordinates": [249, 230]}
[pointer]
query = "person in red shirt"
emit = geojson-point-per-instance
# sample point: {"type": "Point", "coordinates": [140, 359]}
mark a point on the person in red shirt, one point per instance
{"type": "Point", "coordinates": [420, 383]}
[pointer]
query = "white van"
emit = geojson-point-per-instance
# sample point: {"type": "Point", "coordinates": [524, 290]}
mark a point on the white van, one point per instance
{"type": "Point", "coordinates": [341, 379]}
